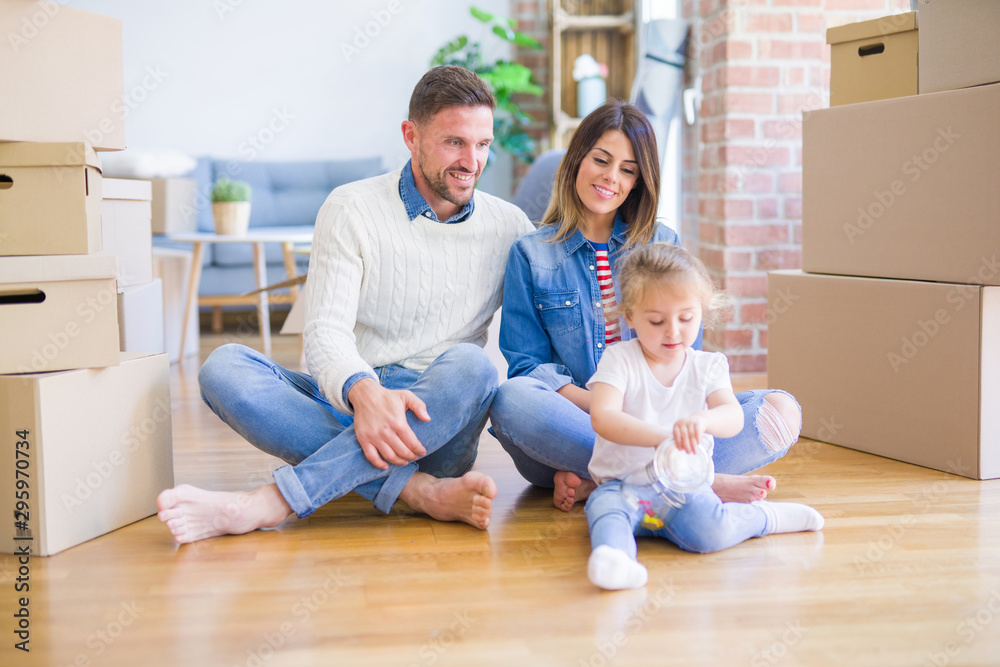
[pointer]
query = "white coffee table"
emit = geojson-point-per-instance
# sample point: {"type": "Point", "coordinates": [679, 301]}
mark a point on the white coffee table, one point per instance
{"type": "Point", "coordinates": [258, 237]}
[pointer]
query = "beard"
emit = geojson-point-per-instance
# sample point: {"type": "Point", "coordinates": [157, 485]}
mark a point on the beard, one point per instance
{"type": "Point", "coordinates": [438, 183]}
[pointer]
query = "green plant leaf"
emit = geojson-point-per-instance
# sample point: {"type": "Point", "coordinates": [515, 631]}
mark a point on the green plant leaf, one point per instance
{"type": "Point", "coordinates": [448, 49]}
{"type": "Point", "coordinates": [512, 78]}
{"type": "Point", "coordinates": [503, 33]}
{"type": "Point", "coordinates": [527, 41]}
{"type": "Point", "coordinates": [485, 17]}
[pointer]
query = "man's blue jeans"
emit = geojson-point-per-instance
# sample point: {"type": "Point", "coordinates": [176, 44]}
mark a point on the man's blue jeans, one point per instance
{"type": "Point", "coordinates": [543, 432]}
{"type": "Point", "coordinates": [283, 413]}
{"type": "Point", "coordinates": [702, 525]}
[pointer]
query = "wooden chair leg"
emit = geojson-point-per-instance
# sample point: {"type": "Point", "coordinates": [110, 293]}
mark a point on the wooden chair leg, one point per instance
{"type": "Point", "coordinates": [216, 319]}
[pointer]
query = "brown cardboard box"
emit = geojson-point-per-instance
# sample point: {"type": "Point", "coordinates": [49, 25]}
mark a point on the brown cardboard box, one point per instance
{"type": "Point", "coordinates": [904, 188]}
{"type": "Point", "coordinates": [904, 369]}
{"type": "Point", "coordinates": [173, 267]}
{"type": "Point", "coordinates": [63, 77]}
{"type": "Point", "coordinates": [140, 317]}
{"type": "Point", "coordinates": [175, 205]}
{"type": "Point", "coordinates": [50, 199]}
{"type": "Point", "coordinates": [87, 451]}
{"type": "Point", "coordinates": [873, 60]}
{"type": "Point", "coordinates": [58, 312]}
{"type": "Point", "coordinates": [958, 44]}
{"type": "Point", "coordinates": [127, 221]}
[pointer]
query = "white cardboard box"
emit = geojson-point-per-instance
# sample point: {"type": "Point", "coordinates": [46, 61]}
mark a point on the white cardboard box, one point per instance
{"type": "Point", "coordinates": [97, 449]}
{"type": "Point", "coordinates": [140, 317]}
{"type": "Point", "coordinates": [905, 369]}
{"type": "Point", "coordinates": [175, 205]}
{"type": "Point", "coordinates": [958, 44]}
{"type": "Point", "coordinates": [50, 199]}
{"type": "Point", "coordinates": [173, 267]}
{"type": "Point", "coordinates": [127, 223]}
{"type": "Point", "coordinates": [63, 75]}
{"type": "Point", "coordinates": [904, 188]}
{"type": "Point", "coordinates": [58, 312]}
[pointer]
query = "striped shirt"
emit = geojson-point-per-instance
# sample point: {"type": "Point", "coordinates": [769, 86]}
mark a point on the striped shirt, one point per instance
{"type": "Point", "coordinates": [612, 330]}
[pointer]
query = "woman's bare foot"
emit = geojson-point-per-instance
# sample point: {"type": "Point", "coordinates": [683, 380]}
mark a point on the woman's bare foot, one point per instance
{"type": "Point", "coordinates": [570, 489]}
{"type": "Point", "coordinates": [194, 514]}
{"type": "Point", "coordinates": [468, 498]}
{"type": "Point", "coordinates": [743, 488]}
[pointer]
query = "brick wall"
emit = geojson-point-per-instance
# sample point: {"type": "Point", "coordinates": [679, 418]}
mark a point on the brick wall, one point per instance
{"type": "Point", "coordinates": [533, 18]}
{"type": "Point", "coordinates": [762, 63]}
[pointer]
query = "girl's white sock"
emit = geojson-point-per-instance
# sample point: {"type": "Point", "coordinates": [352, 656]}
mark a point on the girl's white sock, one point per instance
{"type": "Point", "coordinates": [613, 570]}
{"type": "Point", "coordinates": [789, 517]}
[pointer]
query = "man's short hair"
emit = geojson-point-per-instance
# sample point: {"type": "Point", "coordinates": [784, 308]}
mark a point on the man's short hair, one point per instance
{"type": "Point", "coordinates": [448, 86]}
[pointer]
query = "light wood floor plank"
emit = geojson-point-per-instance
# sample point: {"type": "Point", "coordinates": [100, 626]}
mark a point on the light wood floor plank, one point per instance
{"type": "Point", "coordinates": [906, 573]}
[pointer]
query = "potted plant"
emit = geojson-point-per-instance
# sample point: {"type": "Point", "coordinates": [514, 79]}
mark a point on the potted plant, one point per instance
{"type": "Point", "coordinates": [231, 206]}
{"type": "Point", "coordinates": [505, 77]}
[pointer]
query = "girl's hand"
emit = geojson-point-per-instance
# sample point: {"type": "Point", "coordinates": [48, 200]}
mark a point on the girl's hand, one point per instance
{"type": "Point", "coordinates": [688, 432]}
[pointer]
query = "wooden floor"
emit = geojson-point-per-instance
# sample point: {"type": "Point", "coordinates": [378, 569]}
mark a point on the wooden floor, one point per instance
{"type": "Point", "coordinates": [906, 572]}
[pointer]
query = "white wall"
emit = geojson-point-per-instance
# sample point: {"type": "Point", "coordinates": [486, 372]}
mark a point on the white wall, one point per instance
{"type": "Point", "coordinates": [289, 80]}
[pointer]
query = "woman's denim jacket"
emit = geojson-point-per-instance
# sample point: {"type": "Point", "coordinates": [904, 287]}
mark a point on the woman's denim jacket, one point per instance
{"type": "Point", "coordinates": [552, 320]}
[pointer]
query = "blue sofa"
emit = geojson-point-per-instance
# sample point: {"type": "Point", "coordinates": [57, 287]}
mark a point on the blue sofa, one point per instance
{"type": "Point", "coordinates": [285, 194]}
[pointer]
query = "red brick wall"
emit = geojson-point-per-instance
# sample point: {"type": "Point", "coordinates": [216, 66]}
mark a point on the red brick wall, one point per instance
{"type": "Point", "coordinates": [532, 18]}
{"type": "Point", "coordinates": [762, 63]}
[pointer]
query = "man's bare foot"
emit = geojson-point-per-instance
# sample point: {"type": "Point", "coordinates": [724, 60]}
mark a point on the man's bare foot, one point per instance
{"type": "Point", "coordinates": [570, 489]}
{"type": "Point", "coordinates": [194, 514]}
{"type": "Point", "coordinates": [468, 498]}
{"type": "Point", "coordinates": [743, 488]}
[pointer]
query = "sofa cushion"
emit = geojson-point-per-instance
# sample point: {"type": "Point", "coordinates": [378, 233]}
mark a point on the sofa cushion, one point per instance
{"type": "Point", "coordinates": [284, 193]}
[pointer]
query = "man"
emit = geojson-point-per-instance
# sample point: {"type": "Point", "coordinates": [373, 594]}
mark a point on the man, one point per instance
{"type": "Point", "coordinates": [405, 275]}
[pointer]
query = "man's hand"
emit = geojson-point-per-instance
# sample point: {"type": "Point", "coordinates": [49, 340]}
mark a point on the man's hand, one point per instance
{"type": "Point", "coordinates": [380, 423]}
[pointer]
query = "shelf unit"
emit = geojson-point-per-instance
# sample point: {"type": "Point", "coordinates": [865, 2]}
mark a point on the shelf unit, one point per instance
{"type": "Point", "coordinates": [607, 30]}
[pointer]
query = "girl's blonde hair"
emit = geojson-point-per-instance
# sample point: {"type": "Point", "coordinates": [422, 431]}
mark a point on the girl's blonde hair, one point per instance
{"type": "Point", "coordinates": [639, 208]}
{"type": "Point", "coordinates": [658, 263]}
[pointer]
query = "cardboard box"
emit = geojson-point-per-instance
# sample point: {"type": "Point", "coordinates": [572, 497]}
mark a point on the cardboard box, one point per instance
{"type": "Point", "coordinates": [873, 60]}
{"type": "Point", "coordinates": [175, 205]}
{"type": "Point", "coordinates": [126, 215]}
{"type": "Point", "coordinates": [173, 267]}
{"type": "Point", "coordinates": [904, 188]}
{"type": "Point", "coordinates": [50, 199]}
{"type": "Point", "coordinates": [58, 312]}
{"type": "Point", "coordinates": [905, 369]}
{"type": "Point", "coordinates": [97, 449]}
{"type": "Point", "coordinates": [958, 44]}
{"type": "Point", "coordinates": [140, 318]}
{"type": "Point", "coordinates": [62, 75]}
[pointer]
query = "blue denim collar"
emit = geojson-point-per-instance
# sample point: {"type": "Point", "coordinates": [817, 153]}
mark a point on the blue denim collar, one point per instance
{"type": "Point", "coordinates": [577, 240]}
{"type": "Point", "coordinates": [416, 204]}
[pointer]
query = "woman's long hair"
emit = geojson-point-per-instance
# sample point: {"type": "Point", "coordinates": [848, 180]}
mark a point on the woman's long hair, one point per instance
{"type": "Point", "coordinates": [639, 209]}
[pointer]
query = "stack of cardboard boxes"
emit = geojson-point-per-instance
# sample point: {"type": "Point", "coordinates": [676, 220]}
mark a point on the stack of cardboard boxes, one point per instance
{"type": "Point", "coordinates": [85, 430]}
{"type": "Point", "coordinates": [890, 339]}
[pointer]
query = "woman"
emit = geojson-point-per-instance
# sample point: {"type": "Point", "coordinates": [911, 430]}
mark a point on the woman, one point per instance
{"type": "Point", "coordinates": [560, 312]}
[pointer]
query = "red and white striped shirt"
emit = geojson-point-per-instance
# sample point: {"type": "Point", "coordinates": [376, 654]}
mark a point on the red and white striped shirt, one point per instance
{"type": "Point", "coordinates": [612, 331]}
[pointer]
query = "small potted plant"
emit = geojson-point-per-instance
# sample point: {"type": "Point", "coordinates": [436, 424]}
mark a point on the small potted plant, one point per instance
{"type": "Point", "coordinates": [231, 206]}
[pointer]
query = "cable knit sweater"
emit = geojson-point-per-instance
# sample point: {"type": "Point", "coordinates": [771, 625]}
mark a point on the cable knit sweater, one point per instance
{"type": "Point", "coordinates": [386, 290]}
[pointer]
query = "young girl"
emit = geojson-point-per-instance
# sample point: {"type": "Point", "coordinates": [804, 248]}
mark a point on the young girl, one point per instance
{"type": "Point", "coordinates": [560, 297]}
{"type": "Point", "coordinates": [654, 387]}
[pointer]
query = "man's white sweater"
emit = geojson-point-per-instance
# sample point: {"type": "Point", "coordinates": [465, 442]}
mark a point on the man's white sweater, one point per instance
{"type": "Point", "coordinates": [387, 290]}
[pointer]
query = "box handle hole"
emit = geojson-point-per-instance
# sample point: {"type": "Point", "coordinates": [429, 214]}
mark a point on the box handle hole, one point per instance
{"type": "Point", "coordinates": [6, 182]}
{"type": "Point", "coordinates": [871, 49]}
{"type": "Point", "coordinates": [26, 296]}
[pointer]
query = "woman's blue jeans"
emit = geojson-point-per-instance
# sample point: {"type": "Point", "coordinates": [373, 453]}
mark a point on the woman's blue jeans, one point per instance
{"type": "Point", "coordinates": [544, 432]}
{"type": "Point", "coordinates": [283, 413]}
{"type": "Point", "coordinates": [702, 525]}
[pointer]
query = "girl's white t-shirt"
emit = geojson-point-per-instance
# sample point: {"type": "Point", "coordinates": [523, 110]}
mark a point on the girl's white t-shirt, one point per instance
{"type": "Point", "coordinates": [624, 367]}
